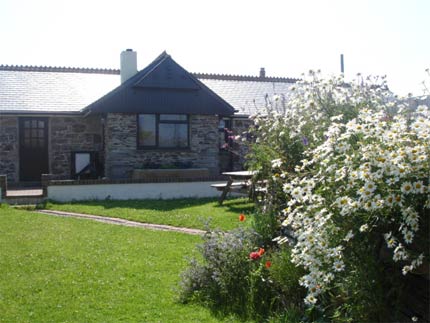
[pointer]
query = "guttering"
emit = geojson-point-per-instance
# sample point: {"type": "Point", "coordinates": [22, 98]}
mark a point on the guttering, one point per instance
{"type": "Point", "coordinates": [39, 113]}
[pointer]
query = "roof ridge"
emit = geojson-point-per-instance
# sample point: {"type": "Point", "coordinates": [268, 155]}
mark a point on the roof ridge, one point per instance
{"type": "Point", "coordinates": [59, 69]}
{"type": "Point", "coordinates": [231, 77]}
{"type": "Point", "coordinates": [207, 76]}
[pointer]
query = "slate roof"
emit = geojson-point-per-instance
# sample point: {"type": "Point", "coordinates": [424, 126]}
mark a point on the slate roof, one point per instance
{"type": "Point", "coordinates": [51, 90]}
{"type": "Point", "coordinates": [162, 87]}
{"type": "Point", "coordinates": [61, 90]}
{"type": "Point", "coordinates": [247, 97]}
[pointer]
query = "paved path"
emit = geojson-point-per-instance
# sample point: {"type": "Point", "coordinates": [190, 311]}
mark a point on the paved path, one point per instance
{"type": "Point", "coordinates": [123, 222]}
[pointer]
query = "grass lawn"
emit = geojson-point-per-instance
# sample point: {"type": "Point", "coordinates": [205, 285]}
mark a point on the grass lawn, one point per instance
{"type": "Point", "coordinates": [72, 270]}
{"type": "Point", "coordinates": [190, 213]}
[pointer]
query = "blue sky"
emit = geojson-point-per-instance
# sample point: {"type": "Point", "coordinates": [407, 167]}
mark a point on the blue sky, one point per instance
{"type": "Point", "coordinates": [377, 37]}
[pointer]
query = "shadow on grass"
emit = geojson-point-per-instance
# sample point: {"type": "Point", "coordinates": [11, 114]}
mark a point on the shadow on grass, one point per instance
{"type": "Point", "coordinates": [233, 204]}
{"type": "Point", "coordinates": [237, 205]}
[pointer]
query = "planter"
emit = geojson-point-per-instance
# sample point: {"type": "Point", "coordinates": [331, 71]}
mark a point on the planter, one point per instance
{"type": "Point", "coordinates": [189, 173]}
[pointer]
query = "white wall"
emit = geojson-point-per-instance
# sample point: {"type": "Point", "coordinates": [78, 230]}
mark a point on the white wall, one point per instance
{"type": "Point", "coordinates": [65, 193]}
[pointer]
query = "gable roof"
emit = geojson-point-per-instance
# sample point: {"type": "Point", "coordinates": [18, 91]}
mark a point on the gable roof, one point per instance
{"type": "Point", "coordinates": [65, 90]}
{"type": "Point", "coordinates": [162, 87]}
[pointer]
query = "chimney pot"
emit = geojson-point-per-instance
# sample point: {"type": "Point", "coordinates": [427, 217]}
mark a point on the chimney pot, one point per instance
{"type": "Point", "coordinates": [262, 72]}
{"type": "Point", "coordinates": [128, 66]}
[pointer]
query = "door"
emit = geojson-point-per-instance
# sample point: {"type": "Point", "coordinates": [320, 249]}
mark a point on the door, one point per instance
{"type": "Point", "coordinates": [33, 148]}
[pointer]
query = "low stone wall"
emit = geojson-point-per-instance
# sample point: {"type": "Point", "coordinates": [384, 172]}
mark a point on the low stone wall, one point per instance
{"type": "Point", "coordinates": [172, 190]}
{"type": "Point", "coordinates": [101, 189]}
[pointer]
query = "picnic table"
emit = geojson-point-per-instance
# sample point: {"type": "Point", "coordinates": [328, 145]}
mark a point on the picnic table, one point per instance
{"type": "Point", "coordinates": [238, 181]}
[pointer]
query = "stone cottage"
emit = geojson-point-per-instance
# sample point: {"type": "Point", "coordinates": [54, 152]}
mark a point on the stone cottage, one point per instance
{"type": "Point", "coordinates": [74, 121]}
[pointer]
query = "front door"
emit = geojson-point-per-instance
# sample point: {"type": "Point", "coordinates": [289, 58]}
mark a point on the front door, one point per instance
{"type": "Point", "coordinates": [33, 148]}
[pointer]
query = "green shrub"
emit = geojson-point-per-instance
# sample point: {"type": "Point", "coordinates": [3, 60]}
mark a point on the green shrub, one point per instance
{"type": "Point", "coordinates": [230, 282]}
{"type": "Point", "coordinates": [346, 167]}
{"type": "Point", "coordinates": [222, 279]}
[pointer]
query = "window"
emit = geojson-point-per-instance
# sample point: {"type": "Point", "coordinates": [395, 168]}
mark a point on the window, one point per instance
{"type": "Point", "coordinates": [163, 131]}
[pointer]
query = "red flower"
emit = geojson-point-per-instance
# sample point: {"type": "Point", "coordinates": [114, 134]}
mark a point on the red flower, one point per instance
{"type": "Point", "coordinates": [268, 264]}
{"type": "Point", "coordinates": [242, 217]}
{"type": "Point", "coordinates": [254, 255]}
{"type": "Point", "coordinates": [261, 251]}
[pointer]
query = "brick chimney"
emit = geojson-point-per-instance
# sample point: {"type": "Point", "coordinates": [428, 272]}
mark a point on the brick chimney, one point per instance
{"type": "Point", "coordinates": [128, 64]}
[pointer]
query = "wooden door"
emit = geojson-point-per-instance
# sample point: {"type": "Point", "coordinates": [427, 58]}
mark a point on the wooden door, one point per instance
{"type": "Point", "coordinates": [33, 148]}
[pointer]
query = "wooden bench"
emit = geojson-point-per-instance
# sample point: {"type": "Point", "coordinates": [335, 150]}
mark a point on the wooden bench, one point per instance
{"type": "Point", "coordinates": [239, 181]}
{"type": "Point", "coordinates": [233, 186]}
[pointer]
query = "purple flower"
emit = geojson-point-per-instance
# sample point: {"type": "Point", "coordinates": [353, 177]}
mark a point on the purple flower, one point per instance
{"type": "Point", "coordinates": [305, 141]}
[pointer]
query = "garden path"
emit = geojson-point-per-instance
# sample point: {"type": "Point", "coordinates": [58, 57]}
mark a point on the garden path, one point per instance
{"type": "Point", "coordinates": [123, 222]}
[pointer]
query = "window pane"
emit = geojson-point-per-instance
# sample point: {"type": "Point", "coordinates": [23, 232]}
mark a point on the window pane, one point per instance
{"type": "Point", "coordinates": [173, 117]}
{"type": "Point", "coordinates": [173, 135]}
{"type": "Point", "coordinates": [147, 130]}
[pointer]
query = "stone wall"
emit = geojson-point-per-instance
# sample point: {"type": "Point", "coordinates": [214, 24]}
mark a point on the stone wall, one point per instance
{"type": "Point", "coordinates": [69, 134]}
{"type": "Point", "coordinates": [122, 154]}
{"type": "Point", "coordinates": [9, 148]}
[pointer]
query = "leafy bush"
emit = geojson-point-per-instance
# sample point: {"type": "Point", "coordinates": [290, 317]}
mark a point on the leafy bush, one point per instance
{"type": "Point", "coordinates": [235, 277]}
{"type": "Point", "coordinates": [221, 279]}
{"type": "Point", "coordinates": [347, 167]}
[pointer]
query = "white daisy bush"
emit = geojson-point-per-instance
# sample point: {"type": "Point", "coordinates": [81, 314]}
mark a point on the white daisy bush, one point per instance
{"type": "Point", "coordinates": [359, 166]}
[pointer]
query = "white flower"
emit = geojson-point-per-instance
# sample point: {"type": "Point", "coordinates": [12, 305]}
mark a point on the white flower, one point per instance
{"type": "Point", "coordinates": [348, 236]}
{"type": "Point", "coordinates": [418, 261]}
{"type": "Point", "coordinates": [342, 202]}
{"type": "Point", "coordinates": [408, 236]}
{"type": "Point", "coordinates": [422, 109]}
{"type": "Point", "coordinates": [287, 187]}
{"type": "Point", "coordinates": [419, 187]}
{"type": "Point", "coordinates": [276, 163]}
{"type": "Point", "coordinates": [364, 228]}
{"type": "Point", "coordinates": [310, 300]}
{"type": "Point", "coordinates": [406, 188]}
{"type": "Point", "coordinates": [406, 269]}
{"type": "Point", "coordinates": [338, 265]}
{"type": "Point", "coordinates": [390, 240]}
{"type": "Point", "coordinates": [370, 186]}
{"type": "Point", "coordinates": [390, 200]}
